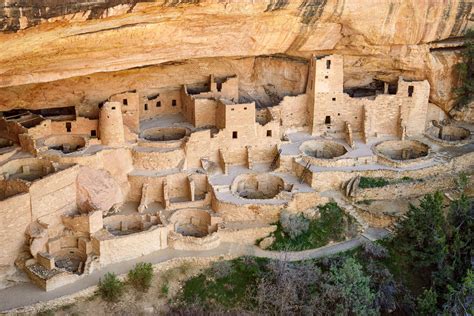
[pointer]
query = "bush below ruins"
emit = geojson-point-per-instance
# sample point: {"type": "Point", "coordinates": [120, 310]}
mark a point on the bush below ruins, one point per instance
{"type": "Point", "coordinates": [425, 268]}
{"type": "Point", "coordinates": [369, 182]}
{"type": "Point", "coordinates": [296, 233]}
{"type": "Point", "coordinates": [110, 287]}
{"type": "Point", "coordinates": [140, 277]}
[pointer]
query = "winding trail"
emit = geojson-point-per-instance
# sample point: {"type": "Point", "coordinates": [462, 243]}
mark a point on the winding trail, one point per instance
{"type": "Point", "coordinates": [26, 294]}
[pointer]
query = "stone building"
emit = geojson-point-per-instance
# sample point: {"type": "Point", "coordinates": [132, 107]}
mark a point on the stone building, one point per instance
{"type": "Point", "coordinates": [190, 168]}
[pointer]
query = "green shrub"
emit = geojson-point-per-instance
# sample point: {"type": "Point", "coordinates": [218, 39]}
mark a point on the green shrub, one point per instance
{"type": "Point", "coordinates": [110, 288]}
{"type": "Point", "coordinates": [333, 225]}
{"type": "Point", "coordinates": [140, 277]}
{"type": "Point", "coordinates": [366, 182]}
{"type": "Point", "coordinates": [165, 290]}
{"type": "Point", "coordinates": [46, 312]}
{"type": "Point", "coordinates": [293, 224]}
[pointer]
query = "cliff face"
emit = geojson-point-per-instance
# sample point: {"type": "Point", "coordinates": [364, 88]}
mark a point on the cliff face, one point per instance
{"type": "Point", "coordinates": [48, 45]}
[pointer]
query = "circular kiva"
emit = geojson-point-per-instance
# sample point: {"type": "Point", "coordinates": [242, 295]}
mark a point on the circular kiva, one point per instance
{"type": "Point", "coordinates": [4, 143]}
{"type": "Point", "coordinates": [323, 149]}
{"type": "Point", "coordinates": [257, 186]}
{"type": "Point", "coordinates": [449, 133]}
{"type": "Point", "coordinates": [402, 150]}
{"type": "Point", "coordinates": [164, 134]}
{"type": "Point", "coordinates": [65, 143]}
{"type": "Point", "coordinates": [191, 222]}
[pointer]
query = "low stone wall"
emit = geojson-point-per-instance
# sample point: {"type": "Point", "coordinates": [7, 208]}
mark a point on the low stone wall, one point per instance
{"type": "Point", "coordinates": [340, 162]}
{"type": "Point", "coordinates": [229, 212]}
{"type": "Point", "coordinates": [113, 249]}
{"type": "Point", "coordinates": [408, 189]}
{"type": "Point", "coordinates": [330, 180]}
{"type": "Point", "coordinates": [244, 235]}
{"type": "Point", "coordinates": [157, 160]}
{"type": "Point", "coordinates": [180, 242]}
{"type": "Point", "coordinates": [305, 200]}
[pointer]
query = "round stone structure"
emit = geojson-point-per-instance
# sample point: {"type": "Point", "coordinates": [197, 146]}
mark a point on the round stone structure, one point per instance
{"type": "Point", "coordinates": [191, 222]}
{"type": "Point", "coordinates": [323, 149]}
{"type": "Point", "coordinates": [65, 143]}
{"type": "Point", "coordinates": [257, 186]}
{"type": "Point", "coordinates": [402, 150]}
{"type": "Point", "coordinates": [449, 134]}
{"type": "Point", "coordinates": [4, 143]}
{"type": "Point", "coordinates": [70, 259]}
{"type": "Point", "coordinates": [166, 134]}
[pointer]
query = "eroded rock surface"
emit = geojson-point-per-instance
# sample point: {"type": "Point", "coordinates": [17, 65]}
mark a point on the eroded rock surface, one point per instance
{"type": "Point", "coordinates": [96, 190]}
{"type": "Point", "coordinates": [379, 39]}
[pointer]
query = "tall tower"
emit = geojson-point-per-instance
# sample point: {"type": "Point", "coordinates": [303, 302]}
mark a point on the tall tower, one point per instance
{"type": "Point", "coordinates": [325, 92]}
{"type": "Point", "coordinates": [111, 132]}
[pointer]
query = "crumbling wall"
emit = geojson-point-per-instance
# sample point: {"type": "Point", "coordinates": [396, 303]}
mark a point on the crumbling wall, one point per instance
{"type": "Point", "coordinates": [198, 147]}
{"type": "Point", "coordinates": [163, 103]}
{"type": "Point", "coordinates": [15, 213]}
{"type": "Point", "coordinates": [54, 195]}
{"type": "Point", "coordinates": [114, 249]}
{"type": "Point", "coordinates": [157, 160]}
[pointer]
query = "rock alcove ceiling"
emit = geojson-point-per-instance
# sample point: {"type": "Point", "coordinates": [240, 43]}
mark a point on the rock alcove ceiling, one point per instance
{"type": "Point", "coordinates": [58, 53]}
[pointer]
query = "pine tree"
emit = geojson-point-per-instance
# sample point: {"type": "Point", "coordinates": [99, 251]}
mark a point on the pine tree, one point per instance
{"type": "Point", "coordinates": [422, 234]}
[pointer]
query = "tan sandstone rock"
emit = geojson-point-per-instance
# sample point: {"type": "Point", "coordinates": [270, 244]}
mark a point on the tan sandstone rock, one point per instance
{"type": "Point", "coordinates": [96, 190]}
{"type": "Point", "coordinates": [379, 39]}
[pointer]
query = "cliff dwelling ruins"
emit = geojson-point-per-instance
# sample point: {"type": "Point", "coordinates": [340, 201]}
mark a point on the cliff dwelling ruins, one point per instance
{"type": "Point", "coordinates": [197, 166]}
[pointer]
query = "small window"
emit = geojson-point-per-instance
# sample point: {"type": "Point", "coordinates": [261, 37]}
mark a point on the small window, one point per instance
{"type": "Point", "coordinates": [173, 102]}
{"type": "Point", "coordinates": [269, 133]}
{"type": "Point", "coordinates": [158, 104]}
{"type": "Point", "coordinates": [113, 108]}
{"type": "Point", "coordinates": [232, 109]}
{"type": "Point", "coordinates": [125, 102]}
{"type": "Point", "coordinates": [334, 99]}
{"type": "Point", "coordinates": [327, 120]}
{"type": "Point", "coordinates": [93, 133]}
{"type": "Point", "coordinates": [338, 114]}
{"type": "Point", "coordinates": [328, 64]}
{"type": "Point", "coordinates": [410, 90]}
{"type": "Point", "coordinates": [68, 127]}
{"type": "Point", "coordinates": [325, 77]}
{"type": "Point", "coordinates": [146, 106]}
{"type": "Point", "coordinates": [245, 108]}
{"type": "Point", "coordinates": [219, 86]}
{"type": "Point", "coordinates": [234, 134]}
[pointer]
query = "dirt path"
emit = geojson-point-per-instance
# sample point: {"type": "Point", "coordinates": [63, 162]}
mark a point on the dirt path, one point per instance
{"type": "Point", "coordinates": [27, 294]}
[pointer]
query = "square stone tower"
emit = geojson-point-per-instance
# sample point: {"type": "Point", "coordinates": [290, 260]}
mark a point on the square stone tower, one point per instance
{"type": "Point", "coordinates": [325, 91]}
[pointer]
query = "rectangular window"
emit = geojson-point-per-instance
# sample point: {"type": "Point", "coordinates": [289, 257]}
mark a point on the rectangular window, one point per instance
{"type": "Point", "coordinates": [113, 108]}
{"type": "Point", "coordinates": [146, 106]}
{"type": "Point", "coordinates": [334, 99]}
{"type": "Point", "coordinates": [158, 104]}
{"type": "Point", "coordinates": [68, 127]}
{"type": "Point", "coordinates": [125, 102]}
{"type": "Point", "coordinates": [327, 120]}
{"type": "Point", "coordinates": [234, 134]}
{"type": "Point", "coordinates": [328, 64]}
{"type": "Point", "coordinates": [219, 86]}
{"type": "Point", "coordinates": [325, 77]}
{"type": "Point", "coordinates": [173, 102]}
{"type": "Point", "coordinates": [93, 133]}
{"type": "Point", "coordinates": [410, 90]}
{"type": "Point", "coordinates": [269, 133]}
